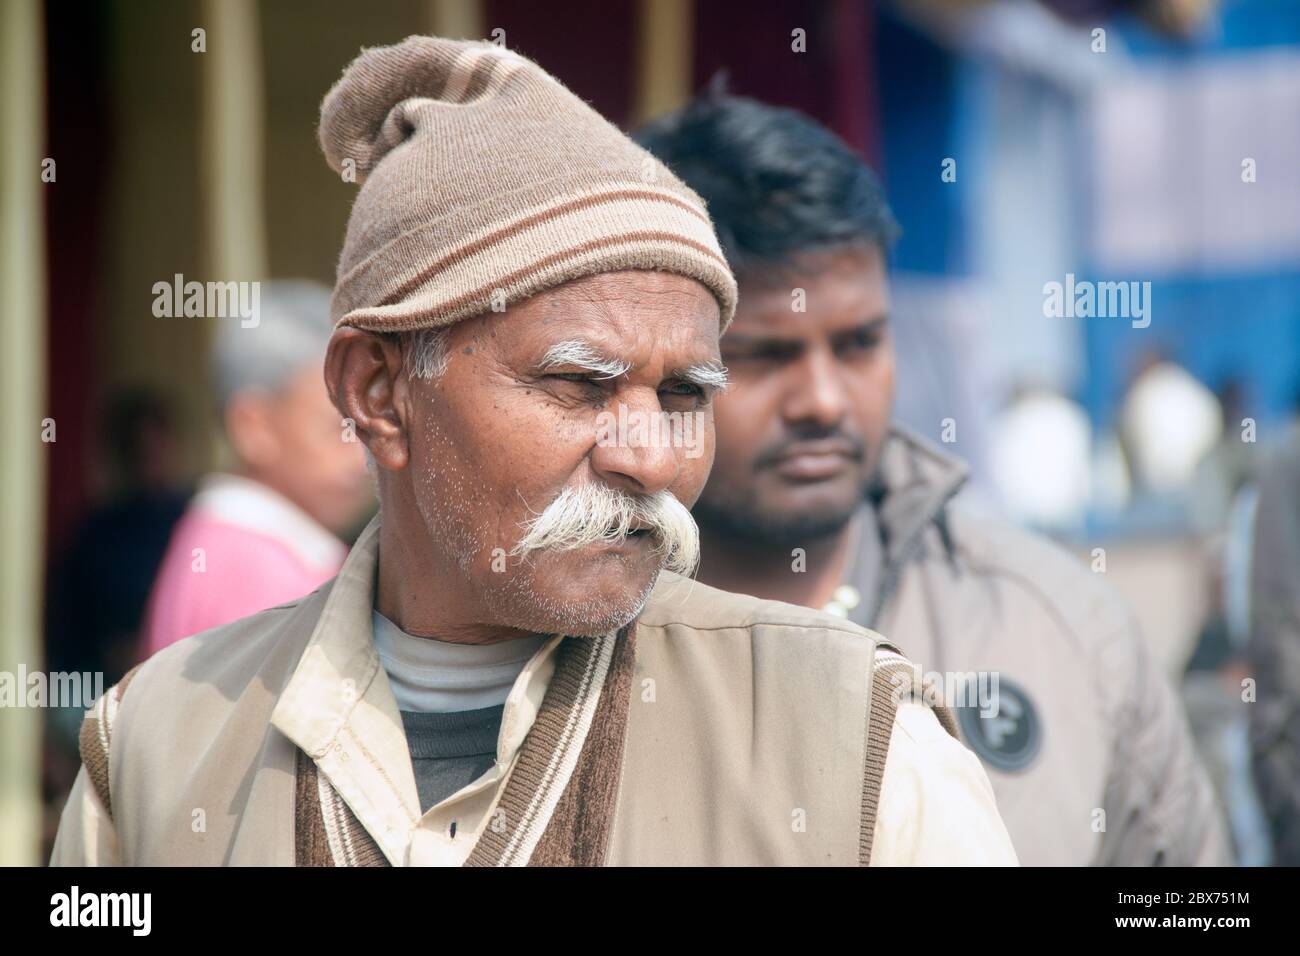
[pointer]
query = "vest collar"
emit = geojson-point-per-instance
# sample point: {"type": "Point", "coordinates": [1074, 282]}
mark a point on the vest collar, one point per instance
{"type": "Point", "coordinates": [339, 709]}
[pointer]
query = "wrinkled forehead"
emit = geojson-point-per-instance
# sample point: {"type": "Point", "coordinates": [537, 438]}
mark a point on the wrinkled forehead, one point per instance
{"type": "Point", "coordinates": [647, 319]}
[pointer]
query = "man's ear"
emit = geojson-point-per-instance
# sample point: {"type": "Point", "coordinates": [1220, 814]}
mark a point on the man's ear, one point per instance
{"type": "Point", "coordinates": [363, 374]}
{"type": "Point", "coordinates": [247, 429]}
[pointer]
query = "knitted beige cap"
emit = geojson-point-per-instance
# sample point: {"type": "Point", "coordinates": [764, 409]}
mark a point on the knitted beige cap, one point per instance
{"type": "Point", "coordinates": [485, 181]}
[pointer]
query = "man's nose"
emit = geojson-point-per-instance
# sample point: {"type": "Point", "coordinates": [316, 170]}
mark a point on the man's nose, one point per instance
{"type": "Point", "coordinates": [634, 445]}
{"type": "Point", "coordinates": [816, 392]}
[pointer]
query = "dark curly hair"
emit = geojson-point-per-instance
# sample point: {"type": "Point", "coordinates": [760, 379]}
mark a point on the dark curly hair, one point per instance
{"type": "Point", "coordinates": [776, 182]}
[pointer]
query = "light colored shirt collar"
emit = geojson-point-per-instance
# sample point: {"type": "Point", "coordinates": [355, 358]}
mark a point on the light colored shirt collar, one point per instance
{"type": "Point", "coordinates": [244, 503]}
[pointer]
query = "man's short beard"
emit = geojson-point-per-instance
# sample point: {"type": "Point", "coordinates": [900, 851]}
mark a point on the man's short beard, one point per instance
{"type": "Point", "coordinates": [741, 518]}
{"type": "Point", "coordinates": [744, 521]}
{"type": "Point", "coordinates": [540, 614]}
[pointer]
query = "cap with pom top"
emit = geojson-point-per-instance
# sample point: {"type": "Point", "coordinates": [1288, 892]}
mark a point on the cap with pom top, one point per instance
{"type": "Point", "coordinates": [485, 181]}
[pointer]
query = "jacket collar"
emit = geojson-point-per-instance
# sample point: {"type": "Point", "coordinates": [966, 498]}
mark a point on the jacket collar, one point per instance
{"type": "Point", "coordinates": [914, 482]}
{"type": "Point", "coordinates": [339, 708]}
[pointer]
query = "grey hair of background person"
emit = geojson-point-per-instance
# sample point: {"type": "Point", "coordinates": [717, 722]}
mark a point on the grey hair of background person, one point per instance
{"type": "Point", "coordinates": [291, 334]}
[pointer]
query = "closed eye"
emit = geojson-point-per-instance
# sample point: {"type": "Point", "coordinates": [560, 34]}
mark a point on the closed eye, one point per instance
{"type": "Point", "coordinates": [583, 386]}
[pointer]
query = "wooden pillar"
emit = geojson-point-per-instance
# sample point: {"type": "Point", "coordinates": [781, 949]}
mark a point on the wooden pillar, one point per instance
{"type": "Point", "coordinates": [665, 56]}
{"type": "Point", "coordinates": [22, 408]}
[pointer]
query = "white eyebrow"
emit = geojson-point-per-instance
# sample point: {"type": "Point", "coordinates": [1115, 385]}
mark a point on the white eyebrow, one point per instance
{"type": "Point", "coordinates": [575, 352]}
{"type": "Point", "coordinates": [710, 374]}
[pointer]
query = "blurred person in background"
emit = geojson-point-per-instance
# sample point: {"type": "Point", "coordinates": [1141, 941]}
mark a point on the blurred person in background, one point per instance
{"type": "Point", "coordinates": [1039, 452]}
{"type": "Point", "coordinates": [1227, 467]}
{"type": "Point", "coordinates": [99, 581]}
{"type": "Point", "coordinates": [1214, 681]}
{"type": "Point", "coordinates": [814, 499]}
{"type": "Point", "coordinates": [99, 585]}
{"type": "Point", "coordinates": [1222, 503]}
{"type": "Point", "coordinates": [1169, 424]}
{"type": "Point", "coordinates": [1274, 647]}
{"type": "Point", "coordinates": [264, 532]}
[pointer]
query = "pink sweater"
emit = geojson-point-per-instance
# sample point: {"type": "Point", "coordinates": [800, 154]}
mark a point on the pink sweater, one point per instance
{"type": "Point", "coordinates": [239, 549]}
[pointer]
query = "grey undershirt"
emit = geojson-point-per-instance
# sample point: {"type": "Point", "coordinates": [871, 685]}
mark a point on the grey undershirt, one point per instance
{"type": "Point", "coordinates": [451, 698]}
{"type": "Point", "coordinates": [450, 750]}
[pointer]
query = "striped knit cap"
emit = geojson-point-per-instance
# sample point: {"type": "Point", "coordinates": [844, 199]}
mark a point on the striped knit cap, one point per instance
{"type": "Point", "coordinates": [485, 181]}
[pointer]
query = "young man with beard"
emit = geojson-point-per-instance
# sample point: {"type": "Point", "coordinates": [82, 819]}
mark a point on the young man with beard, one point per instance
{"type": "Point", "coordinates": [511, 667]}
{"type": "Point", "coordinates": [815, 499]}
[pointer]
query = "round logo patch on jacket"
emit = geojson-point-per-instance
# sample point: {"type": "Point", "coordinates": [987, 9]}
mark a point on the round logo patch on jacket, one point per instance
{"type": "Point", "coordinates": [1008, 739]}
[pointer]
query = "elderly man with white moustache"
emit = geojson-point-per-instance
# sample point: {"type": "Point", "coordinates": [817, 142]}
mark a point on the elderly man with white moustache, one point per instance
{"type": "Point", "coordinates": [514, 666]}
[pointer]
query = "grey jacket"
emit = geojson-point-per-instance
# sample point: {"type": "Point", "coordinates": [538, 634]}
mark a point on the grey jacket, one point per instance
{"type": "Point", "coordinates": [1274, 650]}
{"type": "Point", "coordinates": [1089, 755]}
